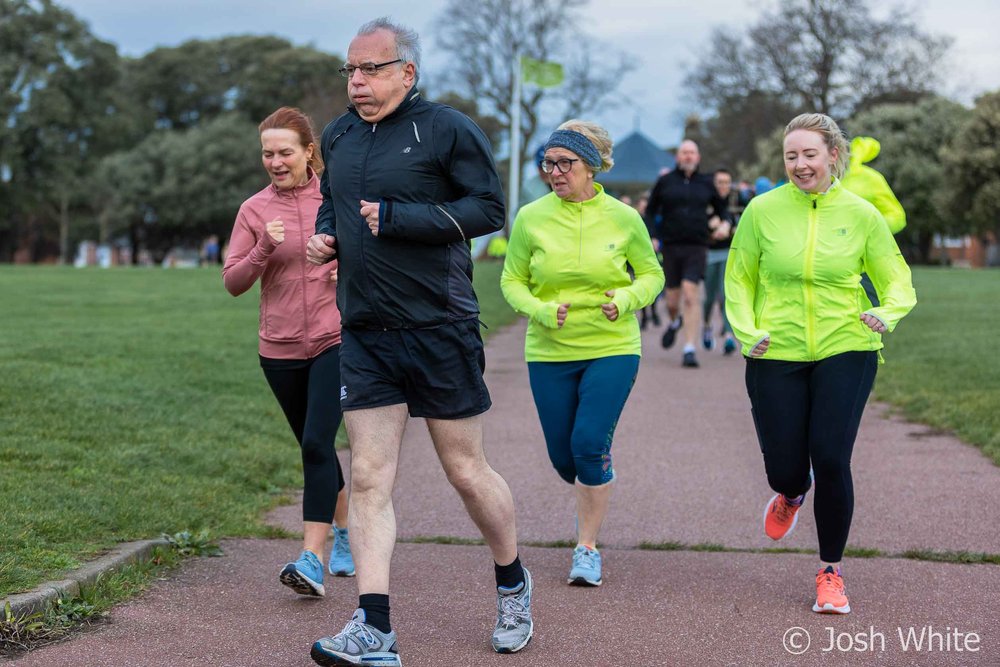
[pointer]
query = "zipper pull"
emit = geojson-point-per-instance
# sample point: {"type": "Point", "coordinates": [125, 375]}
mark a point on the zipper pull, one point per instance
{"type": "Point", "coordinates": [814, 203]}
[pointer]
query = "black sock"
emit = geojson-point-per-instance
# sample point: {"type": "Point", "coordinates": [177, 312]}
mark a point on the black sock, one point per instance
{"type": "Point", "coordinates": [376, 607]}
{"type": "Point", "coordinates": [509, 576]}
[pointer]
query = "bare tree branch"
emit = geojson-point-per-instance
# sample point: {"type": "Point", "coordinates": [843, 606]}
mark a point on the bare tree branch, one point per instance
{"type": "Point", "coordinates": [484, 39]}
{"type": "Point", "coordinates": [821, 55]}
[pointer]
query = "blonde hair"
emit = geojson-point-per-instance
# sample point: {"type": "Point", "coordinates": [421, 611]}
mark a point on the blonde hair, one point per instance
{"type": "Point", "coordinates": [597, 136]}
{"type": "Point", "coordinates": [832, 135]}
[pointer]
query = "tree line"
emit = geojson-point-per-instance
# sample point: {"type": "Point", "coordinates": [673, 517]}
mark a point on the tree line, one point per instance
{"type": "Point", "coordinates": [161, 149]}
{"type": "Point", "coordinates": [877, 76]}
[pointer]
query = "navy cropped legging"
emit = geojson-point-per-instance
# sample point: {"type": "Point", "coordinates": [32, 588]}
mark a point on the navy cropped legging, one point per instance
{"type": "Point", "coordinates": [579, 403]}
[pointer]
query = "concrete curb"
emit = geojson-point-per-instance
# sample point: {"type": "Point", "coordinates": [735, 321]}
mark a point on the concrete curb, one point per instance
{"type": "Point", "coordinates": [38, 600]}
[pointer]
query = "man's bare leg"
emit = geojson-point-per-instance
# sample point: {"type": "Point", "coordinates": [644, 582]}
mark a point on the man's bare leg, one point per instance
{"type": "Point", "coordinates": [691, 298]}
{"type": "Point", "coordinates": [673, 303]}
{"type": "Point", "coordinates": [487, 498]}
{"type": "Point", "coordinates": [375, 435]}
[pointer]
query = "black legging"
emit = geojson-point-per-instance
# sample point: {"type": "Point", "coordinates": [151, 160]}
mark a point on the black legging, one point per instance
{"type": "Point", "coordinates": [309, 394]}
{"type": "Point", "coordinates": [810, 411]}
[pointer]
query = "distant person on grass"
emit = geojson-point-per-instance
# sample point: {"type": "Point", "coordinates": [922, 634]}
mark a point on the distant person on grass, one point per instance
{"type": "Point", "coordinates": [299, 332]}
{"type": "Point", "coordinates": [566, 269]}
{"type": "Point", "coordinates": [794, 299]}
{"type": "Point", "coordinates": [410, 183]}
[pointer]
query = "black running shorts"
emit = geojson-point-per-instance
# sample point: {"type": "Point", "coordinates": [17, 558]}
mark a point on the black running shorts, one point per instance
{"type": "Point", "coordinates": [437, 372]}
{"type": "Point", "coordinates": [683, 262]}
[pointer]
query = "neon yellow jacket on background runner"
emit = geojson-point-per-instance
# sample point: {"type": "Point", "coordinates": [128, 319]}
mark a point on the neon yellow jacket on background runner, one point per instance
{"type": "Point", "coordinates": [794, 274]}
{"type": "Point", "coordinates": [870, 185]}
{"type": "Point", "coordinates": [573, 252]}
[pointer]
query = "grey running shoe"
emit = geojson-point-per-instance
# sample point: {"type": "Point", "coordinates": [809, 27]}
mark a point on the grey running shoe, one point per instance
{"type": "Point", "coordinates": [357, 644]}
{"type": "Point", "coordinates": [514, 626]}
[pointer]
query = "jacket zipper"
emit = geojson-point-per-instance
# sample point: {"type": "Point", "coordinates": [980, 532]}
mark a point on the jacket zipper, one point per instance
{"type": "Point", "coordinates": [807, 274]}
{"type": "Point", "coordinates": [364, 262]}
{"type": "Point", "coordinates": [579, 257]}
{"type": "Point", "coordinates": [302, 266]}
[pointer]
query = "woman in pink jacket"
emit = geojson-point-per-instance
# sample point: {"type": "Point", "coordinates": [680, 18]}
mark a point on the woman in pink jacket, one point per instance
{"type": "Point", "coordinates": [299, 331]}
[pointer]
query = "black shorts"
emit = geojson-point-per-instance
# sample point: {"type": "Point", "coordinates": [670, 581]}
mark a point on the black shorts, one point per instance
{"type": "Point", "coordinates": [683, 262]}
{"type": "Point", "coordinates": [437, 372]}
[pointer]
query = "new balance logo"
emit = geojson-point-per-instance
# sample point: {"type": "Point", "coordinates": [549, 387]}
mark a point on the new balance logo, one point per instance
{"type": "Point", "coordinates": [343, 393]}
{"type": "Point", "coordinates": [407, 149]}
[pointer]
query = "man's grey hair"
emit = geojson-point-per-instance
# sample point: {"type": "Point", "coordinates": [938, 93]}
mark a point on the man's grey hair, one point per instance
{"type": "Point", "coordinates": [407, 40]}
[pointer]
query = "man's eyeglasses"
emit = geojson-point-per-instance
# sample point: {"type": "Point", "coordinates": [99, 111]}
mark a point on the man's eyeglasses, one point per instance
{"type": "Point", "coordinates": [562, 164]}
{"type": "Point", "coordinates": [368, 69]}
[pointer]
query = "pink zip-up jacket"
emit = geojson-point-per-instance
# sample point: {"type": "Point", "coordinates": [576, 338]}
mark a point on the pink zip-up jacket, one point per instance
{"type": "Point", "coordinates": [298, 303]}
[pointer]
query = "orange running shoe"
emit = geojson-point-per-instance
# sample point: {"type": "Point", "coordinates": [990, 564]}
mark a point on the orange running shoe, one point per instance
{"type": "Point", "coordinates": [780, 517]}
{"type": "Point", "coordinates": [831, 598]}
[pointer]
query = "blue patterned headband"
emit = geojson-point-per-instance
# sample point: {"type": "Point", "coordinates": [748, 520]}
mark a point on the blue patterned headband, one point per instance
{"type": "Point", "coordinates": [576, 142]}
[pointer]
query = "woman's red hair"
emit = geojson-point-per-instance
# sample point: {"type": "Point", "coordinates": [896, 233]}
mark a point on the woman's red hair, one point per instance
{"type": "Point", "coordinates": [290, 118]}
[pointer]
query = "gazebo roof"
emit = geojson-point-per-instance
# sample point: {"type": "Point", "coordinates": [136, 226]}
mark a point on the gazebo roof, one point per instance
{"type": "Point", "coordinates": [637, 160]}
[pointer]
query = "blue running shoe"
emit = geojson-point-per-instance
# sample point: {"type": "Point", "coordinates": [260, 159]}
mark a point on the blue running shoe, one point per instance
{"type": "Point", "coordinates": [341, 564]}
{"type": "Point", "coordinates": [514, 626]}
{"type": "Point", "coordinates": [304, 576]}
{"type": "Point", "coordinates": [729, 347]}
{"type": "Point", "coordinates": [586, 569]}
{"type": "Point", "coordinates": [357, 644]}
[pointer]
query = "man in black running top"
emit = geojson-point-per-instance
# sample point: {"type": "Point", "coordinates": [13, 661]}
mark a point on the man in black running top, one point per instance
{"type": "Point", "coordinates": [678, 212]}
{"type": "Point", "coordinates": [408, 182]}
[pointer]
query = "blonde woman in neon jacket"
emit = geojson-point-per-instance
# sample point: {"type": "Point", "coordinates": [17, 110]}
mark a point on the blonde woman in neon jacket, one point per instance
{"type": "Point", "coordinates": [566, 270]}
{"type": "Point", "coordinates": [811, 337]}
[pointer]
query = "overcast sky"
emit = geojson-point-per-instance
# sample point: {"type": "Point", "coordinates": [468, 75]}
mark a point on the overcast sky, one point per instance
{"type": "Point", "coordinates": [664, 36]}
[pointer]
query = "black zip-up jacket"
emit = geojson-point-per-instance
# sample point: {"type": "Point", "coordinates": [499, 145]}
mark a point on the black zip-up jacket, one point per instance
{"type": "Point", "coordinates": [431, 169]}
{"type": "Point", "coordinates": [679, 208]}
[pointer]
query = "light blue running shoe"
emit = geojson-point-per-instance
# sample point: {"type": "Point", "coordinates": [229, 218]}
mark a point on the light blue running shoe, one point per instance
{"type": "Point", "coordinates": [341, 564]}
{"type": "Point", "coordinates": [358, 644]}
{"type": "Point", "coordinates": [586, 570]}
{"type": "Point", "coordinates": [304, 576]}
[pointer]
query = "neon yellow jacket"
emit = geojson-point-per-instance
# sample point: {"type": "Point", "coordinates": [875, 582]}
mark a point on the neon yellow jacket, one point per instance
{"type": "Point", "coordinates": [573, 252]}
{"type": "Point", "coordinates": [794, 274]}
{"type": "Point", "coordinates": [870, 185]}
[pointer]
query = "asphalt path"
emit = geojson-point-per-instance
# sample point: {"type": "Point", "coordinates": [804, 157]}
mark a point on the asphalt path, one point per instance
{"type": "Point", "coordinates": [690, 477]}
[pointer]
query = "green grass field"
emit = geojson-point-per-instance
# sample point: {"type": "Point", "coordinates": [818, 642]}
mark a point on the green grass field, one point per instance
{"type": "Point", "coordinates": [941, 367]}
{"type": "Point", "coordinates": [133, 404]}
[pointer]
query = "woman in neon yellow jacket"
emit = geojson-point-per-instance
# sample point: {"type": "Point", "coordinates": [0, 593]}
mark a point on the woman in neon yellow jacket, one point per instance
{"type": "Point", "coordinates": [566, 270]}
{"type": "Point", "coordinates": [811, 337]}
{"type": "Point", "coordinates": [869, 184]}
